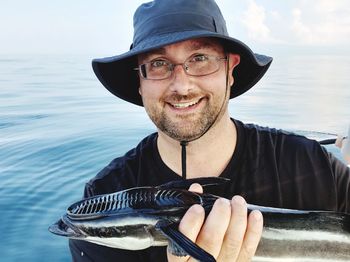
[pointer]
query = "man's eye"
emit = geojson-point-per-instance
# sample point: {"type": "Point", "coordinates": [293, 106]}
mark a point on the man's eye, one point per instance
{"type": "Point", "coordinates": [199, 58]}
{"type": "Point", "coordinates": [159, 63]}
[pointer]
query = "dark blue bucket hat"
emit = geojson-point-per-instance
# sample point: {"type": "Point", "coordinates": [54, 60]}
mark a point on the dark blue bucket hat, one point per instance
{"type": "Point", "coordinates": [163, 22]}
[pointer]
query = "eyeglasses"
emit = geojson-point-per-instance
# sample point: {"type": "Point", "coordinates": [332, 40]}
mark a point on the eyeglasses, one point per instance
{"type": "Point", "coordinates": [197, 65]}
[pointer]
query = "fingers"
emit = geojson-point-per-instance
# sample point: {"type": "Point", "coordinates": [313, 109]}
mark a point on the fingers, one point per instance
{"type": "Point", "coordinates": [213, 231]}
{"type": "Point", "coordinates": [196, 188]}
{"type": "Point", "coordinates": [235, 234]}
{"type": "Point", "coordinates": [192, 221]}
{"type": "Point", "coordinates": [190, 224]}
{"type": "Point", "coordinates": [252, 236]}
{"type": "Point", "coordinates": [242, 236]}
{"type": "Point", "coordinates": [228, 233]}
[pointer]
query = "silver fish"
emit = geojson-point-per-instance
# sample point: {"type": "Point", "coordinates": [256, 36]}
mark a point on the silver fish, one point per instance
{"type": "Point", "coordinates": [142, 217]}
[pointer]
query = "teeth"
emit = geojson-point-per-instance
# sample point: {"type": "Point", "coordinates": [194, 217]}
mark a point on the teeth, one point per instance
{"type": "Point", "coordinates": [184, 105]}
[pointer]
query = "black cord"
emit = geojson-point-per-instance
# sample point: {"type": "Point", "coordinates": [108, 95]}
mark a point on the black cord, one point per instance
{"type": "Point", "coordinates": [183, 158]}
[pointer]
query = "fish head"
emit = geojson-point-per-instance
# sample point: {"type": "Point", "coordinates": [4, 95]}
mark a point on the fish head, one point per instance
{"type": "Point", "coordinates": [131, 231]}
{"type": "Point", "coordinates": [64, 228]}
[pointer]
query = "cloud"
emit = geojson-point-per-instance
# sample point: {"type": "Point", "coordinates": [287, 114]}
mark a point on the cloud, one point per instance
{"type": "Point", "coordinates": [258, 23]}
{"type": "Point", "coordinates": [254, 21]}
{"type": "Point", "coordinates": [326, 23]}
{"type": "Point", "coordinates": [300, 23]}
{"type": "Point", "coordinates": [302, 31]}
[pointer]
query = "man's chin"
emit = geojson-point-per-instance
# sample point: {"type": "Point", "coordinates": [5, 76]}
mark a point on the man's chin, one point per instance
{"type": "Point", "coordinates": [183, 134]}
{"type": "Point", "coordinates": [184, 127]}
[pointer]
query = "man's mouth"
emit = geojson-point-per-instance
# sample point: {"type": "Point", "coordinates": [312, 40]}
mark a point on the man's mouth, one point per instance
{"type": "Point", "coordinates": [183, 105]}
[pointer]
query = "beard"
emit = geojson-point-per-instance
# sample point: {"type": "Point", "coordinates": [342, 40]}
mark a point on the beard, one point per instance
{"type": "Point", "coordinates": [185, 127]}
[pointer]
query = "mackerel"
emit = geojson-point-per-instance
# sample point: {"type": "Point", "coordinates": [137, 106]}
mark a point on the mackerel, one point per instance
{"type": "Point", "coordinates": [142, 217]}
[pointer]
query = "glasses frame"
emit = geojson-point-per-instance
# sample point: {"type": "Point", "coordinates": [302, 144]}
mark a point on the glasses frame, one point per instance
{"type": "Point", "coordinates": [171, 67]}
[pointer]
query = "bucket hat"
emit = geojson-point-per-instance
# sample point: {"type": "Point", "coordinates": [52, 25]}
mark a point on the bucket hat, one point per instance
{"type": "Point", "coordinates": [163, 22]}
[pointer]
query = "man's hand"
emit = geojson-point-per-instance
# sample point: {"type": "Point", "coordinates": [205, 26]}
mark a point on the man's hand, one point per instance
{"type": "Point", "coordinates": [227, 233]}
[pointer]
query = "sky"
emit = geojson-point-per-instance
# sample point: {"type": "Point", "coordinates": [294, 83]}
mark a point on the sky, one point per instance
{"type": "Point", "coordinates": [105, 27]}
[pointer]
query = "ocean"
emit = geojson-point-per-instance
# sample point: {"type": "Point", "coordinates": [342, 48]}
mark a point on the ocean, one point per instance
{"type": "Point", "coordinates": [59, 127]}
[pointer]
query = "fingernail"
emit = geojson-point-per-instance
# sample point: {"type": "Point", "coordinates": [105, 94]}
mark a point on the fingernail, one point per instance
{"type": "Point", "coordinates": [224, 201]}
{"type": "Point", "coordinates": [239, 200]}
{"type": "Point", "coordinates": [257, 216]}
{"type": "Point", "coordinates": [196, 209]}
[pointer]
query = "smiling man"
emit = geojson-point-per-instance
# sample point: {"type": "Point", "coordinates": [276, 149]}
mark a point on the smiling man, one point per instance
{"type": "Point", "coordinates": [185, 91]}
{"type": "Point", "coordinates": [183, 67]}
{"type": "Point", "coordinates": [185, 101]}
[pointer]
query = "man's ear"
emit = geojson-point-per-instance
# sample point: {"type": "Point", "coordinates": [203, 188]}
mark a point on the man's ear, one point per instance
{"type": "Point", "coordinates": [234, 60]}
{"type": "Point", "coordinates": [140, 92]}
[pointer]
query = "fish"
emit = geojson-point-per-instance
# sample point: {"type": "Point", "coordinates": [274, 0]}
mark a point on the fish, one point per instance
{"type": "Point", "coordinates": [141, 217]}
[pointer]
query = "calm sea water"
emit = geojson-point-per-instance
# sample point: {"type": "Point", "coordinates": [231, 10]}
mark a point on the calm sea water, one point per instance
{"type": "Point", "coordinates": [59, 127]}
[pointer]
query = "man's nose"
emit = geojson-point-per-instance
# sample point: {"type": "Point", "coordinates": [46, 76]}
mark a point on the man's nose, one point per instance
{"type": "Point", "coordinates": [181, 83]}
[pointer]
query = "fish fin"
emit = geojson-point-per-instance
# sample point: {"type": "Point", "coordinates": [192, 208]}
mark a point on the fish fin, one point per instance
{"type": "Point", "coordinates": [176, 250]}
{"type": "Point", "coordinates": [180, 245]}
{"type": "Point", "coordinates": [185, 183]}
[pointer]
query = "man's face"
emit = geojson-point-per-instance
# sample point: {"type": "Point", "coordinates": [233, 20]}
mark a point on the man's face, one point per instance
{"type": "Point", "coordinates": [184, 106]}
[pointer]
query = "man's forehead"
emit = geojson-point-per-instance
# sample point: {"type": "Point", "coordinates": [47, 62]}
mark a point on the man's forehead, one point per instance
{"type": "Point", "coordinates": [190, 45]}
{"type": "Point", "coordinates": [210, 43]}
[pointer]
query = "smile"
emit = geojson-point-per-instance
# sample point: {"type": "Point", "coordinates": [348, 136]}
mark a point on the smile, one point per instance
{"type": "Point", "coordinates": [185, 105]}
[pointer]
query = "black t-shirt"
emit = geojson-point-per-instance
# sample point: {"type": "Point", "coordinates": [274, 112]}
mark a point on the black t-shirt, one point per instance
{"type": "Point", "coordinates": [269, 167]}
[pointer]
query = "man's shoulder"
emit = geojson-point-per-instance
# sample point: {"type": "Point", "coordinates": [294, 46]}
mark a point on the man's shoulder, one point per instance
{"type": "Point", "coordinates": [276, 137]}
{"type": "Point", "coordinates": [122, 172]}
{"type": "Point", "coordinates": [280, 146]}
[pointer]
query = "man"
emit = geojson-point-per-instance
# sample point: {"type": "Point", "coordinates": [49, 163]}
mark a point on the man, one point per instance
{"type": "Point", "coordinates": [183, 68]}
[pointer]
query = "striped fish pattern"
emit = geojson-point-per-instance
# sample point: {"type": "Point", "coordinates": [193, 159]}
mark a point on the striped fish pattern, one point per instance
{"type": "Point", "coordinates": [142, 217]}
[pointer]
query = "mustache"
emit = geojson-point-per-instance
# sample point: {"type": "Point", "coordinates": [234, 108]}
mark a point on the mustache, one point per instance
{"type": "Point", "coordinates": [179, 98]}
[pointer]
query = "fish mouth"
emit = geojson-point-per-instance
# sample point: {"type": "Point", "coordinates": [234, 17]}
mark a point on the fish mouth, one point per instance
{"type": "Point", "coordinates": [63, 227]}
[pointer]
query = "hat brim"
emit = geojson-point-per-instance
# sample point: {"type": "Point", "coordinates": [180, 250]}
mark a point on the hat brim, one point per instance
{"type": "Point", "coordinates": [117, 75]}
